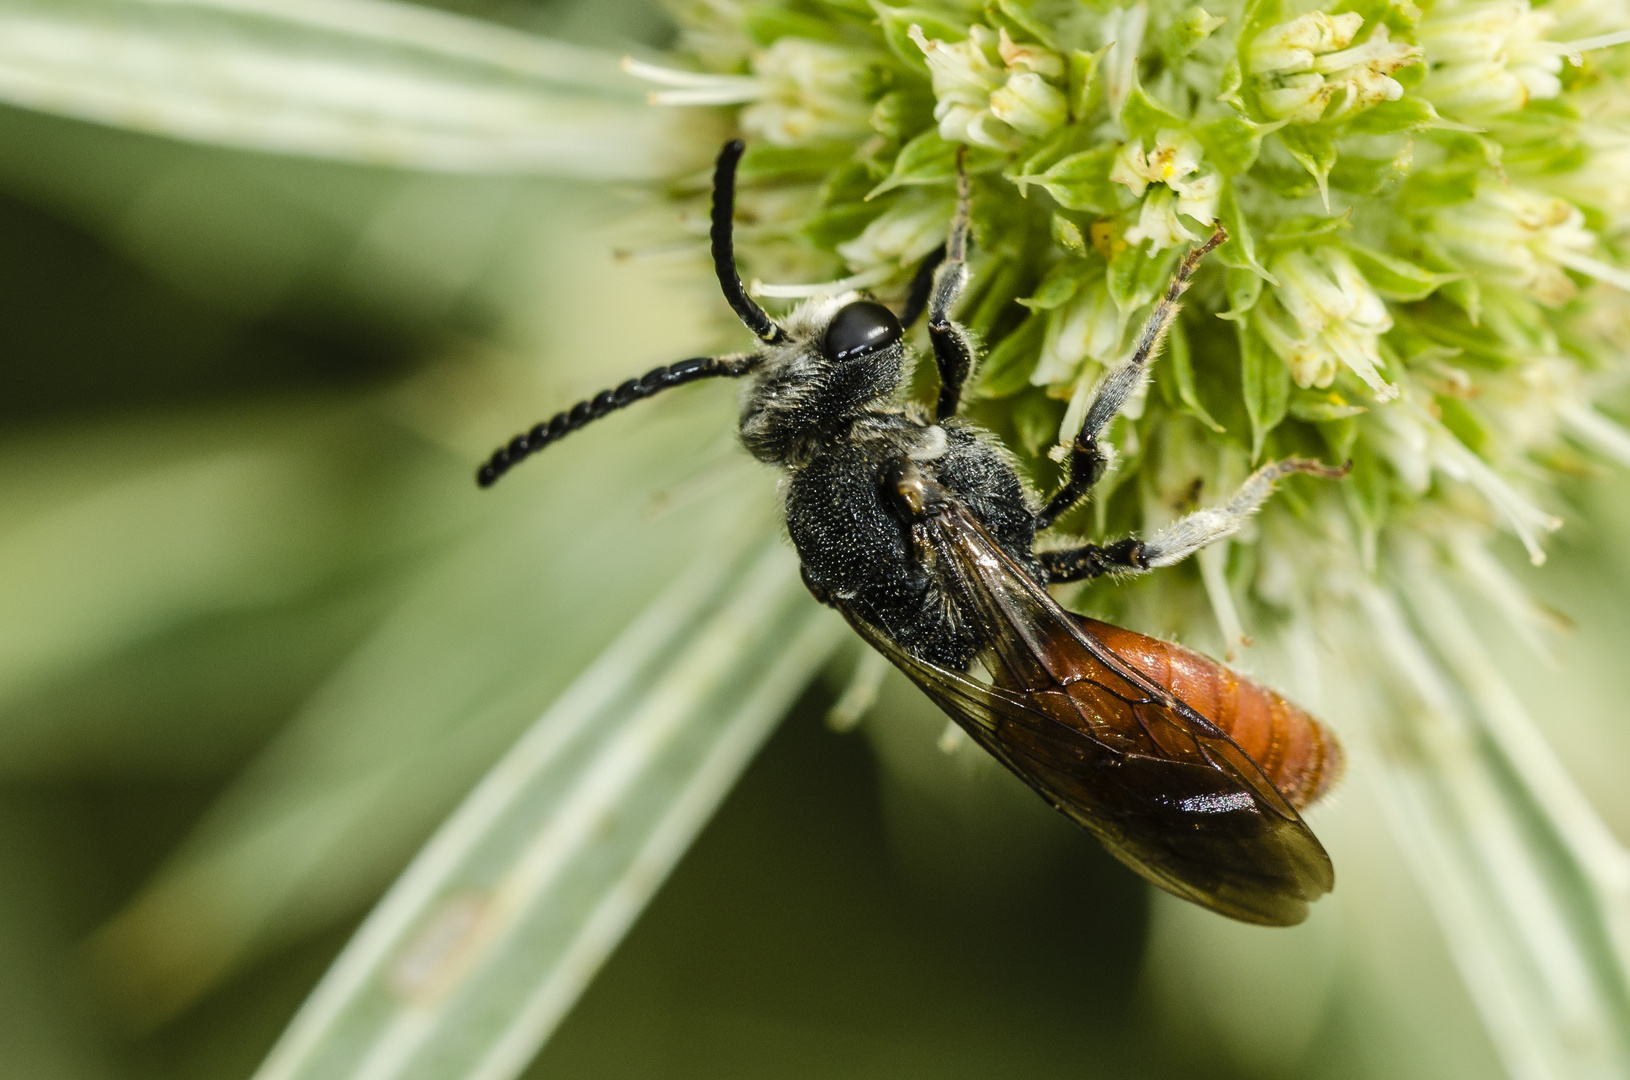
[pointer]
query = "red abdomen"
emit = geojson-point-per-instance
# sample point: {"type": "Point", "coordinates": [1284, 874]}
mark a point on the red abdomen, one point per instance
{"type": "Point", "coordinates": [1301, 756]}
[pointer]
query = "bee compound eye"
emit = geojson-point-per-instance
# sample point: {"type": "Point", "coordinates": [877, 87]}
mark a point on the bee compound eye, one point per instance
{"type": "Point", "coordinates": [860, 328]}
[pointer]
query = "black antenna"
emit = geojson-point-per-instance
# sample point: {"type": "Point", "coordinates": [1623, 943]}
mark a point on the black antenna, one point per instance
{"type": "Point", "coordinates": [724, 255]}
{"type": "Point", "coordinates": [655, 381]}
{"type": "Point", "coordinates": [585, 412]}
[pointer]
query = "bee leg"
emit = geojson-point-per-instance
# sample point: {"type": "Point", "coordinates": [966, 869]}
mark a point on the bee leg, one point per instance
{"type": "Point", "coordinates": [953, 353]}
{"type": "Point", "coordinates": [1189, 534]}
{"type": "Point", "coordinates": [1090, 560]}
{"type": "Point", "coordinates": [1182, 537]}
{"type": "Point", "coordinates": [1087, 458]}
{"type": "Point", "coordinates": [922, 285]}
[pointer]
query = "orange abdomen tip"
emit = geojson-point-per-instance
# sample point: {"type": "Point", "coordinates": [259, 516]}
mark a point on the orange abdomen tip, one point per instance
{"type": "Point", "coordinates": [1301, 756]}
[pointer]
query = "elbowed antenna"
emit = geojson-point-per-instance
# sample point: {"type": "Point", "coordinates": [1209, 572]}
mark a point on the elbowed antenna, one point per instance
{"type": "Point", "coordinates": [702, 367]}
{"type": "Point", "coordinates": [724, 254]}
{"type": "Point", "coordinates": [591, 409]}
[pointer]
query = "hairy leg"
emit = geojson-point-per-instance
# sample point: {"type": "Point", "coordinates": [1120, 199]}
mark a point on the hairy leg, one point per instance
{"type": "Point", "coordinates": [1087, 457]}
{"type": "Point", "coordinates": [953, 352]}
{"type": "Point", "coordinates": [922, 286]}
{"type": "Point", "coordinates": [1182, 537]}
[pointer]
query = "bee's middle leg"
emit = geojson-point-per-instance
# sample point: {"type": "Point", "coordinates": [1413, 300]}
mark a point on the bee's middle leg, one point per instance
{"type": "Point", "coordinates": [1184, 536]}
{"type": "Point", "coordinates": [1124, 556]}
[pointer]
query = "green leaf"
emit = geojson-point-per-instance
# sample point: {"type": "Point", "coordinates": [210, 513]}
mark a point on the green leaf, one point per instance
{"type": "Point", "coordinates": [1244, 290]}
{"type": "Point", "coordinates": [1314, 149]}
{"type": "Point", "coordinates": [1232, 142]}
{"type": "Point", "coordinates": [1373, 10]}
{"type": "Point", "coordinates": [1017, 16]}
{"type": "Point", "coordinates": [1235, 89]}
{"type": "Point", "coordinates": [896, 21]}
{"type": "Point", "coordinates": [1182, 369]}
{"type": "Point", "coordinates": [1142, 115]}
{"type": "Point", "coordinates": [1036, 417]}
{"type": "Point", "coordinates": [1239, 250]}
{"type": "Point", "coordinates": [929, 159]}
{"type": "Point", "coordinates": [1081, 181]}
{"type": "Point", "coordinates": [1006, 371]}
{"type": "Point", "coordinates": [1340, 436]}
{"type": "Point", "coordinates": [1186, 32]}
{"type": "Point", "coordinates": [1229, 85]}
{"type": "Point", "coordinates": [835, 225]}
{"type": "Point", "coordinates": [1067, 235]}
{"type": "Point", "coordinates": [1395, 278]}
{"type": "Point", "coordinates": [1285, 181]}
{"type": "Point", "coordinates": [1259, 15]}
{"type": "Point", "coordinates": [766, 25]}
{"type": "Point", "coordinates": [1369, 490]}
{"type": "Point", "coordinates": [765, 161]}
{"type": "Point", "coordinates": [1372, 176]}
{"type": "Point", "coordinates": [899, 112]}
{"type": "Point", "coordinates": [1440, 187]}
{"type": "Point", "coordinates": [847, 183]}
{"type": "Point", "coordinates": [1135, 276]}
{"type": "Point", "coordinates": [1003, 283]}
{"type": "Point", "coordinates": [1408, 113]}
{"type": "Point", "coordinates": [525, 890]}
{"type": "Point", "coordinates": [1085, 88]}
{"type": "Point", "coordinates": [1265, 383]}
{"type": "Point", "coordinates": [1322, 406]}
{"type": "Point", "coordinates": [1067, 140]}
{"type": "Point", "coordinates": [389, 84]}
{"type": "Point", "coordinates": [1056, 288]}
{"type": "Point", "coordinates": [1297, 231]}
{"type": "Point", "coordinates": [1462, 423]}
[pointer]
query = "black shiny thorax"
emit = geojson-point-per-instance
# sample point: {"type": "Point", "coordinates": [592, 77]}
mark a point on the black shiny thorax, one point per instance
{"type": "Point", "coordinates": [856, 540]}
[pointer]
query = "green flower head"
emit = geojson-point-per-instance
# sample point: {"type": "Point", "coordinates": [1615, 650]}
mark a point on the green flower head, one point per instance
{"type": "Point", "coordinates": [1411, 198]}
{"type": "Point", "coordinates": [1424, 276]}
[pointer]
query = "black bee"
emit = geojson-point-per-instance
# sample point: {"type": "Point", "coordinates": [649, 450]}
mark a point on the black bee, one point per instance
{"type": "Point", "coordinates": [918, 529]}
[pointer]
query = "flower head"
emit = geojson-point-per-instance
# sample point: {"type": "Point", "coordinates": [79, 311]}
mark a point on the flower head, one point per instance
{"type": "Point", "coordinates": [1181, 186]}
{"type": "Point", "coordinates": [1408, 236]}
{"type": "Point", "coordinates": [991, 92]}
{"type": "Point", "coordinates": [1489, 57]}
{"type": "Point", "coordinates": [1310, 62]}
{"type": "Point", "coordinates": [812, 95]}
{"type": "Point", "coordinates": [1518, 237]}
{"type": "Point", "coordinates": [1325, 316]}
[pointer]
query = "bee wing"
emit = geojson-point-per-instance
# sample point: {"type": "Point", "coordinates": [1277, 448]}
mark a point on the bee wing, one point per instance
{"type": "Point", "coordinates": [1164, 789]}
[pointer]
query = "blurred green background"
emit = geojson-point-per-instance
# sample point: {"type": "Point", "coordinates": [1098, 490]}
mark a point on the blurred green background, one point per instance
{"type": "Point", "coordinates": [261, 633]}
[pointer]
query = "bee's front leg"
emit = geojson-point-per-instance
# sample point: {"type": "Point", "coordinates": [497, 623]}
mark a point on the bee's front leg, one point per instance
{"type": "Point", "coordinates": [953, 352]}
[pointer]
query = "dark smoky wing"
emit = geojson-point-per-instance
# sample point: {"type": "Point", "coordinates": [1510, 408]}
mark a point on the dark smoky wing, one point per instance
{"type": "Point", "coordinates": [978, 708]}
{"type": "Point", "coordinates": [1163, 788]}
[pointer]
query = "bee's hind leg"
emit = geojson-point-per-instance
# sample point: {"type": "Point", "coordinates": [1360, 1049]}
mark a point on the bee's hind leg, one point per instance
{"type": "Point", "coordinates": [1182, 537]}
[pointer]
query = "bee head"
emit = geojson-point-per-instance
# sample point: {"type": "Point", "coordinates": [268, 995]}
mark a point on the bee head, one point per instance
{"type": "Point", "coordinates": [842, 354]}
